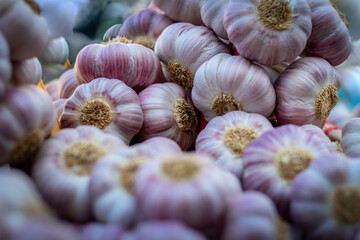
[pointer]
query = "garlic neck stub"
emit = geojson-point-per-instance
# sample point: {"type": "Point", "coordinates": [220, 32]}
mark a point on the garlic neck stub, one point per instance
{"type": "Point", "coordinates": [275, 14]}
{"type": "Point", "coordinates": [34, 6]}
{"type": "Point", "coordinates": [282, 230]}
{"type": "Point", "coordinates": [81, 156]}
{"type": "Point", "coordinates": [180, 169]}
{"type": "Point", "coordinates": [341, 15]}
{"type": "Point", "coordinates": [236, 139]}
{"type": "Point", "coordinates": [128, 174]}
{"type": "Point", "coordinates": [146, 41]}
{"type": "Point", "coordinates": [184, 114]}
{"type": "Point", "coordinates": [96, 112]}
{"type": "Point", "coordinates": [346, 204]}
{"type": "Point", "coordinates": [180, 74]}
{"type": "Point", "coordinates": [326, 101]}
{"type": "Point", "coordinates": [117, 40]}
{"type": "Point", "coordinates": [224, 103]}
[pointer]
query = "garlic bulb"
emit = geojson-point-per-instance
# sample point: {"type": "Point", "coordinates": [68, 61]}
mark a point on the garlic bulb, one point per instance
{"type": "Point", "coordinates": [181, 10]}
{"type": "Point", "coordinates": [57, 51]}
{"type": "Point", "coordinates": [168, 113]}
{"type": "Point", "coordinates": [135, 65]}
{"type": "Point", "coordinates": [52, 88]}
{"type": "Point", "coordinates": [268, 31]}
{"type": "Point", "coordinates": [59, 107]}
{"type": "Point", "coordinates": [226, 83]}
{"type": "Point", "coordinates": [212, 14]}
{"type": "Point", "coordinates": [354, 58]}
{"type": "Point", "coordinates": [27, 118]}
{"type": "Point", "coordinates": [306, 92]}
{"type": "Point", "coordinates": [107, 104]}
{"type": "Point", "coordinates": [67, 84]}
{"type": "Point", "coordinates": [98, 231]}
{"type": "Point", "coordinates": [63, 165]}
{"type": "Point", "coordinates": [226, 137]}
{"type": "Point", "coordinates": [5, 64]}
{"type": "Point", "coordinates": [340, 115]}
{"type": "Point", "coordinates": [26, 72]}
{"type": "Point", "coordinates": [350, 137]}
{"type": "Point", "coordinates": [183, 48]}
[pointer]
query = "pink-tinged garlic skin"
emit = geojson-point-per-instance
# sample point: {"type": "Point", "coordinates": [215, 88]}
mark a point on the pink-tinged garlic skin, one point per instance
{"type": "Point", "coordinates": [108, 104]}
{"type": "Point", "coordinates": [63, 164]}
{"type": "Point", "coordinates": [350, 143]}
{"type": "Point", "coordinates": [98, 231]}
{"type": "Point", "coordinates": [273, 160]}
{"type": "Point", "coordinates": [330, 37]}
{"type": "Point", "coordinates": [268, 45]}
{"type": "Point", "coordinates": [18, 19]}
{"type": "Point", "coordinates": [5, 64]}
{"type": "Point", "coordinates": [306, 92]}
{"type": "Point", "coordinates": [67, 84]}
{"type": "Point", "coordinates": [168, 113]}
{"type": "Point", "coordinates": [27, 117]}
{"type": "Point", "coordinates": [315, 130]}
{"type": "Point", "coordinates": [134, 64]}
{"type": "Point", "coordinates": [325, 198]}
{"type": "Point", "coordinates": [225, 138]}
{"type": "Point", "coordinates": [26, 72]}
{"type": "Point", "coordinates": [189, 47]}
{"type": "Point", "coordinates": [341, 114]}
{"type": "Point", "coordinates": [157, 145]}
{"type": "Point", "coordinates": [52, 88]}
{"type": "Point", "coordinates": [181, 10]}
{"type": "Point", "coordinates": [227, 83]}
{"type": "Point", "coordinates": [212, 14]}
{"type": "Point", "coordinates": [59, 107]}
{"type": "Point", "coordinates": [188, 187]}
{"type": "Point", "coordinates": [57, 52]}
{"type": "Point", "coordinates": [163, 230]}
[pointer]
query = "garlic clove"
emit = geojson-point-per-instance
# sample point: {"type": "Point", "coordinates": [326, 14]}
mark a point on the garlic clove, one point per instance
{"type": "Point", "coordinates": [67, 84]}
{"type": "Point", "coordinates": [212, 14]}
{"type": "Point", "coordinates": [59, 107]}
{"type": "Point", "coordinates": [57, 51]}
{"type": "Point", "coordinates": [26, 72]}
{"type": "Point", "coordinates": [350, 137]}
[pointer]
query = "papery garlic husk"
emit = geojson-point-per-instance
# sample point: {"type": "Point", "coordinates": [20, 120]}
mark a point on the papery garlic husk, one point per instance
{"type": "Point", "coordinates": [108, 104]}
{"type": "Point", "coordinates": [26, 72]}
{"type": "Point", "coordinates": [168, 112]}
{"type": "Point", "coordinates": [227, 83]}
{"type": "Point", "coordinates": [28, 25]}
{"type": "Point", "coordinates": [330, 37]}
{"type": "Point", "coordinates": [306, 92]}
{"type": "Point", "coordinates": [63, 165]}
{"type": "Point", "coordinates": [350, 143]}
{"type": "Point", "coordinates": [273, 160]}
{"type": "Point", "coordinates": [325, 198]}
{"type": "Point", "coordinates": [268, 31]}
{"type": "Point", "coordinates": [135, 65]}
{"type": "Point", "coordinates": [27, 117]}
{"type": "Point", "coordinates": [52, 88]}
{"type": "Point", "coordinates": [67, 84]}
{"type": "Point", "coordinates": [57, 51]}
{"type": "Point", "coordinates": [181, 10]}
{"type": "Point", "coordinates": [185, 187]}
{"type": "Point", "coordinates": [226, 137]}
{"type": "Point", "coordinates": [99, 231]}
{"type": "Point", "coordinates": [5, 64]}
{"type": "Point", "coordinates": [212, 14]}
{"type": "Point", "coordinates": [183, 48]}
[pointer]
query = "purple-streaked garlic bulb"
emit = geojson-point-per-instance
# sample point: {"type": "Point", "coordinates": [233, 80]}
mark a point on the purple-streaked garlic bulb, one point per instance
{"type": "Point", "coordinates": [27, 117]}
{"type": "Point", "coordinates": [185, 187]}
{"type": "Point", "coordinates": [108, 104]}
{"type": "Point", "coordinates": [168, 113]}
{"type": "Point", "coordinates": [212, 14]}
{"type": "Point", "coordinates": [137, 66]}
{"type": "Point", "coordinates": [163, 230]}
{"type": "Point", "coordinates": [67, 84]}
{"type": "Point", "coordinates": [144, 27]}
{"type": "Point", "coordinates": [226, 137]}
{"type": "Point", "coordinates": [227, 83]}
{"type": "Point", "coordinates": [26, 72]}
{"type": "Point", "coordinates": [183, 48]}
{"type": "Point", "coordinates": [52, 88]}
{"type": "Point", "coordinates": [23, 29]}
{"type": "Point", "coordinates": [59, 107]}
{"type": "Point", "coordinates": [181, 10]}
{"type": "Point", "coordinates": [155, 146]}
{"type": "Point", "coordinates": [315, 130]}
{"type": "Point", "coordinates": [5, 64]}
{"type": "Point", "coordinates": [330, 37]}
{"type": "Point", "coordinates": [63, 165]}
{"type": "Point", "coordinates": [325, 199]}
{"type": "Point", "coordinates": [268, 31]}
{"type": "Point", "coordinates": [273, 160]}
{"type": "Point", "coordinates": [306, 92]}
{"type": "Point", "coordinates": [350, 143]}
{"type": "Point", "coordinates": [57, 51]}
{"type": "Point", "coordinates": [98, 231]}
{"type": "Point", "coordinates": [252, 215]}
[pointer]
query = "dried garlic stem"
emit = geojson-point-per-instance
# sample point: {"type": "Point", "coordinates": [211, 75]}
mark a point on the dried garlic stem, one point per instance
{"type": "Point", "coordinates": [326, 101]}
{"type": "Point", "coordinates": [117, 40]}
{"type": "Point", "coordinates": [180, 74]}
{"type": "Point", "coordinates": [96, 112]}
{"type": "Point", "coordinates": [238, 138]}
{"type": "Point", "coordinates": [275, 14]}
{"type": "Point", "coordinates": [341, 15]}
{"type": "Point", "coordinates": [146, 41]}
{"type": "Point", "coordinates": [34, 6]}
{"type": "Point", "coordinates": [128, 173]}
{"type": "Point", "coordinates": [224, 103]}
{"type": "Point", "coordinates": [180, 169]}
{"type": "Point", "coordinates": [184, 114]}
{"type": "Point", "coordinates": [346, 204]}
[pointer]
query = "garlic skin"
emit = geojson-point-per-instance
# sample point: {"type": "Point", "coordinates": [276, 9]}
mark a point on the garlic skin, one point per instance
{"type": "Point", "coordinates": [98, 231]}
{"type": "Point", "coordinates": [5, 64]}
{"type": "Point", "coordinates": [354, 57]}
{"type": "Point", "coordinates": [340, 115]}
{"type": "Point", "coordinates": [212, 14]}
{"type": "Point", "coordinates": [181, 10]}
{"type": "Point", "coordinates": [306, 92]}
{"type": "Point", "coordinates": [134, 64]}
{"type": "Point", "coordinates": [26, 72]}
{"type": "Point", "coordinates": [226, 137]}
{"type": "Point", "coordinates": [52, 88]}
{"type": "Point", "coordinates": [183, 48]}
{"type": "Point", "coordinates": [350, 137]}
{"type": "Point", "coordinates": [27, 117]}
{"type": "Point", "coordinates": [168, 112]}
{"type": "Point", "coordinates": [57, 51]}
{"type": "Point", "coordinates": [63, 165]}
{"type": "Point", "coordinates": [330, 37]}
{"type": "Point", "coordinates": [352, 14]}
{"type": "Point", "coordinates": [268, 31]}
{"type": "Point", "coordinates": [226, 83]}
{"type": "Point", "coordinates": [274, 159]}
{"type": "Point", "coordinates": [108, 104]}
{"type": "Point", "coordinates": [59, 107]}
{"type": "Point", "coordinates": [67, 84]}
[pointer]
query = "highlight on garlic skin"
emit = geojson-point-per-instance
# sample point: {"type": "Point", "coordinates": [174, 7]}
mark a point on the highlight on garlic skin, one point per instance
{"type": "Point", "coordinates": [226, 137]}
{"type": "Point", "coordinates": [26, 72]}
{"type": "Point", "coordinates": [325, 198]}
{"type": "Point", "coordinates": [273, 160]}
{"type": "Point", "coordinates": [67, 84]}
{"type": "Point", "coordinates": [187, 187]}
{"type": "Point", "coordinates": [212, 14]}
{"type": "Point", "coordinates": [135, 65]}
{"type": "Point", "coordinates": [306, 92]}
{"type": "Point", "coordinates": [350, 137]}
{"type": "Point", "coordinates": [227, 83]}
{"type": "Point", "coordinates": [268, 31]}
{"type": "Point", "coordinates": [108, 104]}
{"type": "Point", "coordinates": [183, 48]}
{"type": "Point", "coordinates": [57, 51]}
{"type": "Point", "coordinates": [27, 118]}
{"type": "Point", "coordinates": [168, 112]}
{"type": "Point", "coordinates": [63, 165]}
